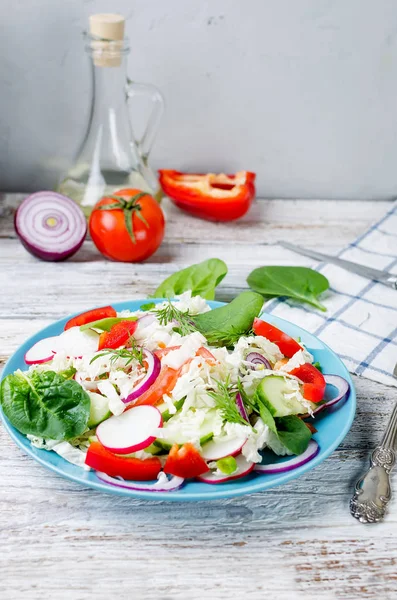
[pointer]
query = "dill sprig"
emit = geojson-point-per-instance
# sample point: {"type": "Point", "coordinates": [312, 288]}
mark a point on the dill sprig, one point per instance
{"type": "Point", "coordinates": [225, 400]}
{"type": "Point", "coordinates": [131, 353]}
{"type": "Point", "coordinates": [183, 320]}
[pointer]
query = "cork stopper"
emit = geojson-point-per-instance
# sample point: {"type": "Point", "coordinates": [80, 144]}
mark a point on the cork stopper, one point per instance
{"type": "Point", "coordinates": [107, 31]}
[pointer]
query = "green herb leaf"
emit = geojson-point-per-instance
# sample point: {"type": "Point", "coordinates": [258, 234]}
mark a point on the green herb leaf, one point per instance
{"type": "Point", "coordinates": [45, 404]}
{"type": "Point", "coordinates": [318, 366]}
{"type": "Point", "coordinates": [106, 324]}
{"type": "Point", "coordinates": [227, 465]}
{"type": "Point", "coordinates": [300, 283]}
{"type": "Point", "coordinates": [201, 279]}
{"type": "Point", "coordinates": [184, 324]}
{"type": "Point", "coordinates": [225, 325]}
{"type": "Point", "coordinates": [293, 433]}
{"type": "Point", "coordinates": [225, 401]}
{"type": "Point", "coordinates": [133, 352]}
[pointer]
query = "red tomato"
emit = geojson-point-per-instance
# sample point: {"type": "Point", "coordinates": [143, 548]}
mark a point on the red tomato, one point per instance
{"type": "Point", "coordinates": [288, 346]}
{"type": "Point", "coordinates": [101, 459]}
{"type": "Point", "coordinates": [185, 462]}
{"type": "Point", "coordinates": [110, 234]}
{"type": "Point", "coordinates": [118, 335]}
{"type": "Point", "coordinates": [91, 315]}
{"type": "Point", "coordinates": [313, 382]}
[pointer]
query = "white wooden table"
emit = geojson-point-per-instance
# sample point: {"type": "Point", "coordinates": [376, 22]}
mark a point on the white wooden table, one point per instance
{"type": "Point", "coordinates": [60, 540]}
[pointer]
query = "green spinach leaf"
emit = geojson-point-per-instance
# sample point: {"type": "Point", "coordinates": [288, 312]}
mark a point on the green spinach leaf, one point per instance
{"type": "Point", "coordinates": [45, 404]}
{"type": "Point", "coordinates": [299, 283]}
{"type": "Point", "coordinates": [224, 326]}
{"type": "Point", "coordinates": [202, 279]}
{"type": "Point", "coordinates": [293, 433]}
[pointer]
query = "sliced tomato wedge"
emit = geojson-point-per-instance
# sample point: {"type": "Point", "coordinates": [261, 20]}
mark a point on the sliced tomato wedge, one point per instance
{"type": "Point", "coordinates": [185, 462]}
{"type": "Point", "coordinates": [118, 336]}
{"type": "Point", "coordinates": [313, 382]}
{"type": "Point", "coordinates": [101, 459]}
{"type": "Point", "coordinates": [91, 315]}
{"type": "Point", "coordinates": [164, 384]}
{"type": "Point", "coordinates": [287, 345]}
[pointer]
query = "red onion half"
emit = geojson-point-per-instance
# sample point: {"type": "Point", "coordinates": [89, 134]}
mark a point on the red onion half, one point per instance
{"type": "Point", "coordinates": [50, 226]}
{"type": "Point", "coordinates": [293, 463]}
{"type": "Point", "coordinates": [153, 370]}
{"type": "Point", "coordinates": [167, 486]}
{"type": "Point", "coordinates": [257, 359]}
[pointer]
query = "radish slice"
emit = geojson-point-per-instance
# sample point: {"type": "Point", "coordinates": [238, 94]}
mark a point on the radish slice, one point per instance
{"type": "Point", "coordinates": [41, 351]}
{"type": "Point", "coordinates": [293, 463]}
{"type": "Point", "coordinates": [133, 430]}
{"type": "Point", "coordinates": [343, 389]}
{"type": "Point", "coordinates": [76, 343]}
{"type": "Point", "coordinates": [241, 406]}
{"type": "Point", "coordinates": [153, 371]}
{"type": "Point", "coordinates": [216, 450]}
{"type": "Point", "coordinates": [50, 226]}
{"type": "Point", "coordinates": [257, 359]}
{"type": "Point", "coordinates": [243, 468]}
{"type": "Point", "coordinates": [161, 485]}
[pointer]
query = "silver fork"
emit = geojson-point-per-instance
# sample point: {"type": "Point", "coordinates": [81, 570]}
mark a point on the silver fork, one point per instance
{"type": "Point", "coordinates": [373, 491]}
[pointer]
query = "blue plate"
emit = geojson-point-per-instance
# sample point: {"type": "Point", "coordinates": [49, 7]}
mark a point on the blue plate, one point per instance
{"type": "Point", "coordinates": [332, 427]}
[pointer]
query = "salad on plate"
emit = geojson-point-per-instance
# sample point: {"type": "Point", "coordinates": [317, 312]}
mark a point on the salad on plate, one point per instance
{"type": "Point", "coordinates": [173, 391]}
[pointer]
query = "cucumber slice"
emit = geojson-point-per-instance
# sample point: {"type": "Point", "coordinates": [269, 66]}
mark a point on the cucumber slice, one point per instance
{"type": "Point", "coordinates": [206, 434]}
{"type": "Point", "coordinates": [165, 413]}
{"type": "Point", "coordinates": [271, 392]}
{"type": "Point", "coordinates": [99, 409]}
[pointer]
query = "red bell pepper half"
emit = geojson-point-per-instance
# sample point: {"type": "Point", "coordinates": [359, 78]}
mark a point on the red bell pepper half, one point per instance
{"type": "Point", "coordinates": [216, 197]}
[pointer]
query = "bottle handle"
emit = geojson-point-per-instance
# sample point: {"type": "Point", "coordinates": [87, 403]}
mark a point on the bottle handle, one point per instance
{"type": "Point", "coordinates": [149, 91]}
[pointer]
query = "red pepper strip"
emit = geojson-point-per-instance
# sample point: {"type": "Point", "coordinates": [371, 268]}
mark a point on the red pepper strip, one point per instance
{"type": "Point", "coordinates": [314, 383]}
{"type": "Point", "coordinates": [101, 459]}
{"type": "Point", "coordinates": [90, 316]}
{"type": "Point", "coordinates": [118, 336]}
{"type": "Point", "coordinates": [185, 462]}
{"type": "Point", "coordinates": [210, 196]}
{"type": "Point", "coordinates": [287, 345]}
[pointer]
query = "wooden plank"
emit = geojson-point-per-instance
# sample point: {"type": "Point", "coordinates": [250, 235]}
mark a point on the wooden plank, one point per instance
{"type": "Point", "coordinates": [61, 540]}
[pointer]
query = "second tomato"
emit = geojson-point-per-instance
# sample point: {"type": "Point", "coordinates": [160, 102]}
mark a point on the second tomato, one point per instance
{"type": "Point", "coordinates": [127, 226]}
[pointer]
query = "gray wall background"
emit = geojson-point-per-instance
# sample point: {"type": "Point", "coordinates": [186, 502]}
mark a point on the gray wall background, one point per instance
{"type": "Point", "coordinates": [304, 92]}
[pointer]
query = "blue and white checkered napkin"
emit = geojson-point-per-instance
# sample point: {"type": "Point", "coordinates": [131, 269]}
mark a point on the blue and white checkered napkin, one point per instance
{"type": "Point", "coordinates": [361, 322]}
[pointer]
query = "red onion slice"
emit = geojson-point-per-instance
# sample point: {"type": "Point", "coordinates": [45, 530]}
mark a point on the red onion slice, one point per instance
{"type": "Point", "coordinates": [343, 388]}
{"type": "Point", "coordinates": [241, 407]}
{"type": "Point", "coordinates": [288, 465]}
{"type": "Point", "coordinates": [257, 359]}
{"type": "Point", "coordinates": [50, 226]}
{"type": "Point", "coordinates": [146, 320]}
{"type": "Point", "coordinates": [160, 486]}
{"type": "Point", "coordinates": [153, 370]}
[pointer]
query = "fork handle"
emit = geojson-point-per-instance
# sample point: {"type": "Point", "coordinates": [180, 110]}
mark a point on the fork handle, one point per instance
{"type": "Point", "coordinates": [373, 492]}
